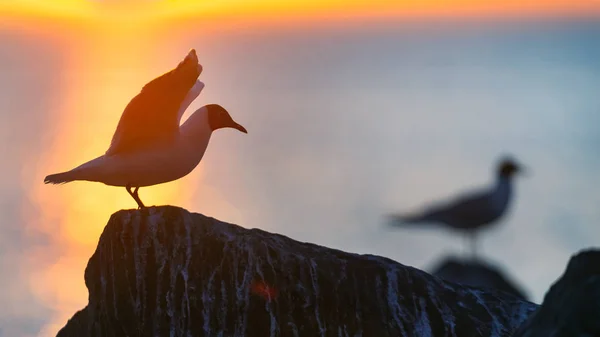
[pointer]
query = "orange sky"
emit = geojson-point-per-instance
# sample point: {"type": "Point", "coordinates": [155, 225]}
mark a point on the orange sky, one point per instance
{"type": "Point", "coordinates": [96, 202]}
{"type": "Point", "coordinates": [93, 87]}
{"type": "Point", "coordinates": [264, 10]}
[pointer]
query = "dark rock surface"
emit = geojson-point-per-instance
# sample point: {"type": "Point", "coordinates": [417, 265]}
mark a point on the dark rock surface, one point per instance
{"type": "Point", "coordinates": [571, 307]}
{"type": "Point", "coordinates": [476, 273]}
{"type": "Point", "coordinates": [167, 272]}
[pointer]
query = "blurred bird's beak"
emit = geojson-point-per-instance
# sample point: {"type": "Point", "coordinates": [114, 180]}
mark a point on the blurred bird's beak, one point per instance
{"type": "Point", "coordinates": [238, 127]}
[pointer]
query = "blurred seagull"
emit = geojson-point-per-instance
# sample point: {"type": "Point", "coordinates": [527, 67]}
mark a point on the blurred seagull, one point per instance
{"type": "Point", "coordinates": [149, 146]}
{"type": "Point", "coordinates": [469, 213]}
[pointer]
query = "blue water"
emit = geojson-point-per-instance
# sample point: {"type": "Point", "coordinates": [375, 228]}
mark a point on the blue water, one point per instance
{"type": "Point", "coordinates": [349, 123]}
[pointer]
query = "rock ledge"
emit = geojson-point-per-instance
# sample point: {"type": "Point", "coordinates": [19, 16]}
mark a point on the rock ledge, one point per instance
{"type": "Point", "coordinates": [167, 272]}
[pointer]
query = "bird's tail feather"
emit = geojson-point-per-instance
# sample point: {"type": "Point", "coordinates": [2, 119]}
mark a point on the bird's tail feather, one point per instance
{"type": "Point", "coordinates": [60, 178]}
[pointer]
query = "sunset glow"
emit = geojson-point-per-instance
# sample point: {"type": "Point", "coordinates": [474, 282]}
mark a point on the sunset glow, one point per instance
{"type": "Point", "coordinates": [96, 89]}
{"type": "Point", "coordinates": [265, 10]}
{"type": "Point", "coordinates": [111, 54]}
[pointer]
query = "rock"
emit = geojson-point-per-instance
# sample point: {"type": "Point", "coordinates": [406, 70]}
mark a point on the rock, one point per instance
{"type": "Point", "coordinates": [571, 307]}
{"type": "Point", "coordinates": [167, 272]}
{"type": "Point", "coordinates": [477, 274]}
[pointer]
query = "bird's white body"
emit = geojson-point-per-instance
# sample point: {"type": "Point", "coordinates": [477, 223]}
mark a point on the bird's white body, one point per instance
{"type": "Point", "coordinates": [149, 146]}
{"type": "Point", "coordinates": [158, 164]}
{"type": "Point", "coordinates": [469, 213]}
{"type": "Point", "coordinates": [476, 210]}
{"type": "Point", "coordinates": [500, 197]}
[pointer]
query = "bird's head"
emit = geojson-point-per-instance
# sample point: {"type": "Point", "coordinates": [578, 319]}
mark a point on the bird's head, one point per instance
{"type": "Point", "coordinates": [219, 118]}
{"type": "Point", "coordinates": [508, 168]}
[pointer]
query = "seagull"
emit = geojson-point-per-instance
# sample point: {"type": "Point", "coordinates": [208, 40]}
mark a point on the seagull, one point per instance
{"type": "Point", "coordinates": [149, 146]}
{"type": "Point", "coordinates": [470, 213]}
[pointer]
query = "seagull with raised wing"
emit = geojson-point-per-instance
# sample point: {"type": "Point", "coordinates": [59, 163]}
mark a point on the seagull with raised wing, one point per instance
{"type": "Point", "coordinates": [470, 213]}
{"type": "Point", "coordinates": [149, 146]}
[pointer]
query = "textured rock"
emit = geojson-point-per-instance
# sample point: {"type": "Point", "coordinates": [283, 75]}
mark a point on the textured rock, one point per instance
{"type": "Point", "coordinates": [571, 307]}
{"type": "Point", "coordinates": [477, 274]}
{"type": "Point", "coordinates": [167, 272]}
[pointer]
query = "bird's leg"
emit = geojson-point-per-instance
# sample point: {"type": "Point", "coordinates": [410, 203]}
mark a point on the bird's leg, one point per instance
{"type": "Point", "coordinates": [135, 192]}
{"type": "Point", "coordinates": [135, 196]}
{"type": "Point", "coordinates": [466, 247]}
{"type": "Point", "coordinates": [128, 188]}
{"type": "Point", "coordinates": [473, 238]}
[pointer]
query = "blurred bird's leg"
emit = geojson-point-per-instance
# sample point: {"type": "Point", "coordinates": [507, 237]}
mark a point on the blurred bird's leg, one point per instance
{"type": "Point", "coordinates": [135, 196]}
{"type": "Point", "coordinates": [467, 246]}
{"type": "Point", "coordinates": [473, 238]}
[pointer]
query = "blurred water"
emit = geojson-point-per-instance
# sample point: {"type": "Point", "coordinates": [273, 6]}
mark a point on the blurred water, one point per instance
{"type": "Point", "coordinates": [348, 123]}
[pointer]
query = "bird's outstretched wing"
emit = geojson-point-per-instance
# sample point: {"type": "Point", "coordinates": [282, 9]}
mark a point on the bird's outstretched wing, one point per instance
{"type": "Point", "coordinates": [189, 98]}
{"type": "Point", "coordinates": [465, 211]}
{"type": "Point", "coordinates": [153, 115]}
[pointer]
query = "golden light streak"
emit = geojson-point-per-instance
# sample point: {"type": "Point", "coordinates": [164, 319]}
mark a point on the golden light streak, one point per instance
{"type": "Point", "coordinates": [103, 76]}
{"type": "Point", "coordinates": [112, 59]}
{"type": "Point", "coordinates": [268, 10]}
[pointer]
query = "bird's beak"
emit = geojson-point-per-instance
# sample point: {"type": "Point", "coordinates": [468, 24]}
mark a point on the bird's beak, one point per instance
{"type": "Point", "coordinates": [238, 127]}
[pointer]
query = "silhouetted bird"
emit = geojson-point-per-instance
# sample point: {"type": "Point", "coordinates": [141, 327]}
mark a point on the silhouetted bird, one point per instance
{"type": "Point", "coordinates": [149, 146]}
{"type": "Point", "coordinates": [470, 213]}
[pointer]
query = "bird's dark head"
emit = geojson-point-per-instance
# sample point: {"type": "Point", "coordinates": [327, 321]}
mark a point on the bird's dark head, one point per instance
{"type": "Point", "coordinates": [508, 168]}
{"type": "Point", "coordinates": [219, 118]}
